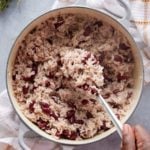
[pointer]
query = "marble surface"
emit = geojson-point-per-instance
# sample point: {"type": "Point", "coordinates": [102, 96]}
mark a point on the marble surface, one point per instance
{"type": "Point", "coordinates": [13, 20]}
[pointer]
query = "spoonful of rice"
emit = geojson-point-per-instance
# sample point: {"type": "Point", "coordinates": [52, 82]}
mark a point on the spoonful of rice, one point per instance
{"type": "Point", "coordinates": [86, 75]}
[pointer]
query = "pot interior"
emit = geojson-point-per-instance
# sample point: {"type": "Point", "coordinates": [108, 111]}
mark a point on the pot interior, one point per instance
{"type": "Point", "coordinates": [138, 72]}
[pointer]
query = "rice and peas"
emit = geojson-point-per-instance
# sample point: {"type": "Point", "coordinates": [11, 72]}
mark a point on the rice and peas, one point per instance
{"type": "Point", "coordinates": [60, 68]}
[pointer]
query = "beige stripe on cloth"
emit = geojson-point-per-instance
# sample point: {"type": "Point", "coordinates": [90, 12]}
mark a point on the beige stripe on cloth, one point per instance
{"type": "Point", "coordinates": [146, 1]}
{"type": "Point", "coordinates": [141, 18]}
{"type": "Point", "coordinates": [145, 34]}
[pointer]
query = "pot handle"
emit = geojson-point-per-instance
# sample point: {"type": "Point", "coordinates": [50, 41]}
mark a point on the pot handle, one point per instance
{"type": "Point", "coordinates": [102, 5]}
{"type": "Point", "coordinates": [125, 5]}
{"type": "Point", "coordinates": [124, 20]}
{"type": "Point", "coordinates": [67, 147]}
{"type": "Point", "coordinates": [22, 131]}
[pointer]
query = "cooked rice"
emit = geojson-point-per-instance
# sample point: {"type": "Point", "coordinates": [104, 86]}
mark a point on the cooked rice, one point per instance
{"type": "Point", "coordinates": [61, 60]}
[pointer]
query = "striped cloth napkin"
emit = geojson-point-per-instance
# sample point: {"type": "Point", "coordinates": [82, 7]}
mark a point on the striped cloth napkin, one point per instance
{"type": "Point", "coordinates": [9, 122]}
{"type": "Point", "coordinates": [141, 18]}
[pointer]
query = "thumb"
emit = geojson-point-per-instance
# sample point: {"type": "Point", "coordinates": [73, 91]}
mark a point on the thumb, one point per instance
{"type": "Point", "coordinates": [142, 138]}
{"type": "Point", "coordinates": [128, 139]}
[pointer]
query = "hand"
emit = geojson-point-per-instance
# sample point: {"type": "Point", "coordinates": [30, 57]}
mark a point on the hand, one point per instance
{"type": "Point", "coordinates": [135, 138]}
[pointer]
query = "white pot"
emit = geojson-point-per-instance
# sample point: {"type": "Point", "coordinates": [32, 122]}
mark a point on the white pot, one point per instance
{"type": "Point", "coordinates": [138, 74]}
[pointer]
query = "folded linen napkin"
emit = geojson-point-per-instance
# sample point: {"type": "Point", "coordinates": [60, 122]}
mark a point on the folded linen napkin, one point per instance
{"type": "Point", "coordinates": [9, 129]}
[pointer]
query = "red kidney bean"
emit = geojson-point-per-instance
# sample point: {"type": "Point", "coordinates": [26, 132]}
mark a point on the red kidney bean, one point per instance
{"type": "Point", "coordinates": [93, 101]}
{"type": "Point", "coordinates": [59, 22]}
{"type": "Point", "coordinates": [118, 58]}
{"type": "Point", "coordinates": [101, 57]}
{"type": "Point", "coordinates": [65, 134]}
{"type": "Point", "coordinates": [114, 105]}
{"type": "Point", "coordinates": [107, 95]}
{"type": "Point", "coordinates": [45, 108]}
{"type": "Point", "coordinates": [79, 121]}
{"type": "Point", "coordinates": [29, 79]}
{"type": "Point", "coordinates": [83, 61]}
{"type": "Point", "coordinates": [42, 124]}
{"type": "Point", "coordinates": [33, 30]}
{"type": "Point", "coordinates": [72, 120]}
{"type": "Point", "coordinates": [73, 135]}
{"type": "Point", "coordinates": [49, 40]}
{"type": "Point", "coordinates": [128, 58]}
{"type": "Point", "coordinates": [52, 114]}
{"type": "Point", "coordinates": [45, 105]}
{"type": "Point", "coordinates": [84, 102]}
{"type": "Point", "coordinates": [129, 85]}
{"type": "Point", "coordinates": [89, 115]}
{"type": "Point", "coordinates": [94, 91]}
{"type": "Point", "coordinates": [129, 95]}
{"type": "Point", "coordinates": [122, 77]}
{"type": "Point", "coordinates": [14, 77]}
{"type": "Point", "coordinates": [25, 90]}
{"type": "Point", "coordinates": [70, 113]}
{"type": "Point", "coordinates": [35, 66]}
{"type": "Point", "coordinates": [87, 31]}
{"type": "Point", "coordinates": [116, 91]}
{"type": "Point", "coordinates": [98, 23]}
{"type": "Point", "coordinates": [59, 63]}
{"type": "Point", "coordinates": [31, 106]}
{"type": "Point", "coordinates": [123, 46]}
{"type": "Point", "coordinates": [104, 127]}
{"type": "Point", "coordinates": [47, 84]}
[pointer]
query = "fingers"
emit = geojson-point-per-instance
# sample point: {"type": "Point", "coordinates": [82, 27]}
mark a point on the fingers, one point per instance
{"type": "Point", "coordinates": [128, 141]}
{"type": "Point", "coordinates": [142, 138]}
{"type": "Point", "coordinates": [136, 138]}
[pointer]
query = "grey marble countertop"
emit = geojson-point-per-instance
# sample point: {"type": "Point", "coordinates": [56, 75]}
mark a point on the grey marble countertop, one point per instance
{"type": "Point", "coordinates": [13, 20]}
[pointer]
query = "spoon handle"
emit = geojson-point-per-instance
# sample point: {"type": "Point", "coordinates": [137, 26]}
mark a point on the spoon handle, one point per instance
{"type": "Point", "coordinates": [113, 117]}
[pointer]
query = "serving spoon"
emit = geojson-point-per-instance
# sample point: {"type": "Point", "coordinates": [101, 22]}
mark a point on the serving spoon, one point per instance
{"type": "Point", "coordinates": [113, 117]}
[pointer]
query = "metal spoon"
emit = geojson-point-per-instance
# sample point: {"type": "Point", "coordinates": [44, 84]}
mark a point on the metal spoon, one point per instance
{"type": "Point", "coordinates": [113, 117]}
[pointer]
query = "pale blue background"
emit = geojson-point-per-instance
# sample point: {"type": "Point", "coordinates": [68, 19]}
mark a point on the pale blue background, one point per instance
{"type": "Point", "coordinates": [13, 20]}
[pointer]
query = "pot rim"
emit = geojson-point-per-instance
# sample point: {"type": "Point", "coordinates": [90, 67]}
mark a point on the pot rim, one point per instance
{"type": "Point", "coordinates": [65, 141]}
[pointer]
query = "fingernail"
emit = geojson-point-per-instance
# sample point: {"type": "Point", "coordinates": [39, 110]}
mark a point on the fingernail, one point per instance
{"type": "Point", "coordinates": [126, 129]}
